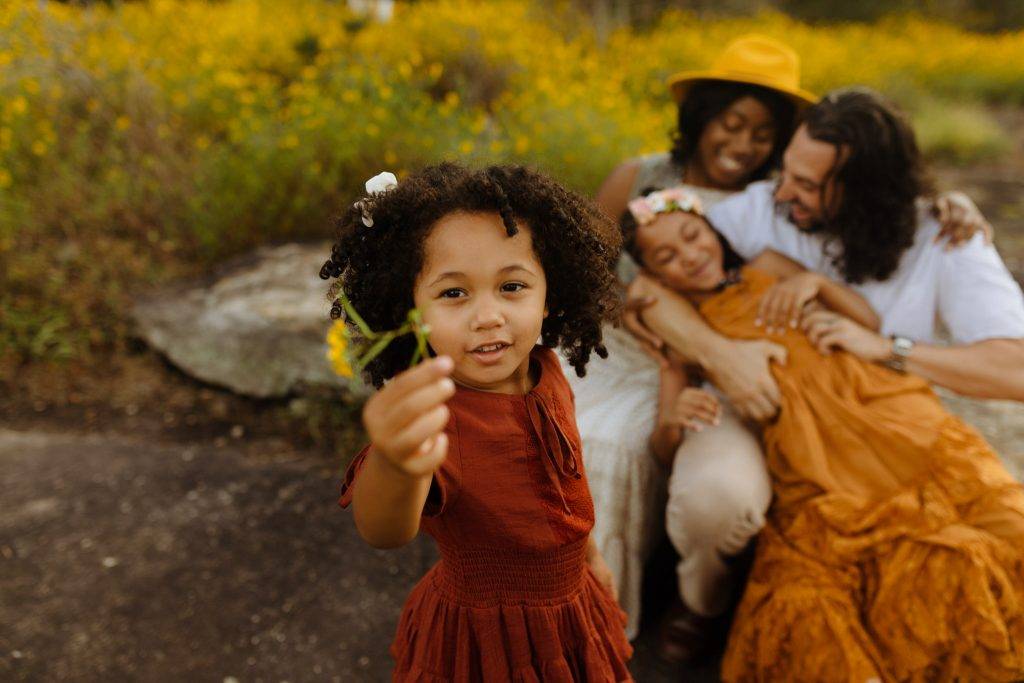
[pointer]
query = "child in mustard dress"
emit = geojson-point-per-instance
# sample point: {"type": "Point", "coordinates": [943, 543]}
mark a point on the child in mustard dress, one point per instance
{"type": "Point", "coordinates": [894, 546]}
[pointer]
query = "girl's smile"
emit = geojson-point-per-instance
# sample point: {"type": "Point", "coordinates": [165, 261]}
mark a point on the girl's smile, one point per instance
{"type": "Point", "coordinates": [683, 251]}
{"type": "Point", "coordinates": [483, 295]}
{"type": "Point", "coordinates": [492, 353]}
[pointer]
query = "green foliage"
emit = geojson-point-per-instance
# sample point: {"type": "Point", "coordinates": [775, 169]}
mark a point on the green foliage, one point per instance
{"type": "Point", "coordinates": [142, 141]}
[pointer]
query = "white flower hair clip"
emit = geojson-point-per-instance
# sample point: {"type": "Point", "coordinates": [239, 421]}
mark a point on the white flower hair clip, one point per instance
{"type": "Point", "coordinates": [646, 209]}
{"type": "Point", "coordinates": [378, 184]}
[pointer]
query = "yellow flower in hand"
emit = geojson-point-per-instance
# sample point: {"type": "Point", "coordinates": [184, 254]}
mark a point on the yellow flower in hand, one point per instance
{"type": "Point", "coordinates": [337, 349]}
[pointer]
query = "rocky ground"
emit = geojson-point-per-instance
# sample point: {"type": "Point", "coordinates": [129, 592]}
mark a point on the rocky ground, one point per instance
{"type": "Point", "coordinates": [155, 527]}
{"type": "Point", "coordinates": [129, 559]}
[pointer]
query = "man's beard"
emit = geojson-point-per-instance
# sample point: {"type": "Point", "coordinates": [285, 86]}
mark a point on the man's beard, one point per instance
{"type": "Point", "coordinates": [784, 209]}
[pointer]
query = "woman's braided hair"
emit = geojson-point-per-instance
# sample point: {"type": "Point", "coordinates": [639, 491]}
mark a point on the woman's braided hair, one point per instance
{"type": "Point", "coordinates": [577, 246]}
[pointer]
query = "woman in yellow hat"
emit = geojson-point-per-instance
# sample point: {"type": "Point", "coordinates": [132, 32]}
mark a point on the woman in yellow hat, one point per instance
{"type": "Point", "coordinates": [734, 121]}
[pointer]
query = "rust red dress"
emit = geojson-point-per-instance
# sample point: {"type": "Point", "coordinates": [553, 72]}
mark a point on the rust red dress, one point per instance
{"type": "Point", "coordinates": [512, 597]}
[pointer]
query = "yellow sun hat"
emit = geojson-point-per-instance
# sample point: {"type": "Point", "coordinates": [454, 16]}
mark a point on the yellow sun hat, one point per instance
{"type": "Point", "coordinates": [754, 59]}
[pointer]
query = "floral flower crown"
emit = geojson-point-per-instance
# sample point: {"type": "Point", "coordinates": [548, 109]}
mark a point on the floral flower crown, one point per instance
{"type": "Point", "coordinates": [646, 209]}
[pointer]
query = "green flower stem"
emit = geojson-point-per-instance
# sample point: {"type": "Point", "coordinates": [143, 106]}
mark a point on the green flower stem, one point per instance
{"type": "Point", "coordinates": [413, 325]}
{"type": "Point", "coordinates": [421, 331]}
{"type": "Point", "coordinates": [354, 316]}
{"type": "Point", "coordinates": [375, 350]}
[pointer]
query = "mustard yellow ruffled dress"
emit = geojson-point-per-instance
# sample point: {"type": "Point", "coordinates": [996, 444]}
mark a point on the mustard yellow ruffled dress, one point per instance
{"type": "Point", "coordinates": [894, 548]}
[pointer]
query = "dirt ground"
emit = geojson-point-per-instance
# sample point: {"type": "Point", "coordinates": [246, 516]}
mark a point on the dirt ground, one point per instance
{"type": "Point", "coordinates": [129, 558]}
{"type": "Point", "coordinates": [154, 528]}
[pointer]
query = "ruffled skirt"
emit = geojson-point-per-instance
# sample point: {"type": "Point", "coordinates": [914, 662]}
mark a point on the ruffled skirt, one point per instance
{"type": "Point", "coordinates": [923, 584]}
{"type": "Point", "coordinates": [579, 638]}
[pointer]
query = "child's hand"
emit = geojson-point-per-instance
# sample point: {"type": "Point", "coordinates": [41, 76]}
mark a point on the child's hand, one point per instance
{"type": "Point", "coordinates": [602, 572]}
{"type": "Point", "coordinates": [405, 420]}
{"type": "Point", "coordinates": [693, 407]}
{"type": "Point", "coordinates": [782, 306]}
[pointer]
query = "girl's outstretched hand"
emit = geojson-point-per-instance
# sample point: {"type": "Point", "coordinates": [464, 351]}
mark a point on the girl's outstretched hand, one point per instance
{"type": "Point", "coordinates": [406, 419]}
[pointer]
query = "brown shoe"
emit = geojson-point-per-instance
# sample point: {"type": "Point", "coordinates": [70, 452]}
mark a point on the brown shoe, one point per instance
{"type": "Point", "coordinates": [687, 637]}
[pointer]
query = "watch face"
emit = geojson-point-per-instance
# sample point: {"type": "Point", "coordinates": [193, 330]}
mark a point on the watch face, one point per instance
{"type": "Point", "coordinates": [902, 346]}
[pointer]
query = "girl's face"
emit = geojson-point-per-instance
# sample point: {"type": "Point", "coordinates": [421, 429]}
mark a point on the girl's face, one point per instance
{"type": "Point", "coordinates": [682, 251]}
{"type": "Point", "coordinates": [736, 143]}
{"type": "Point", "coordinates": [483, 295]}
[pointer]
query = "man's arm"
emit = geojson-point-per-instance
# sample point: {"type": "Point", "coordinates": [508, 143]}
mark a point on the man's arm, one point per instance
{"type": "Point", "coordinates": [993, 368]}
{"type": "Point", "coordinates": [983, 308]}
{"type": "Point", "coordinates": [739, 368]}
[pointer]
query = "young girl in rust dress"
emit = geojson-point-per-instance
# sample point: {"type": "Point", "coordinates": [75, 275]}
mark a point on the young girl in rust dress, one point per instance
{"type": "Point", "coordinates": [478, 445]}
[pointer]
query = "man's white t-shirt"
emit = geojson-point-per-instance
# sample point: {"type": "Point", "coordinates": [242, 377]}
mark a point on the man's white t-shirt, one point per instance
{"type": "Point", "coordinates": [968, 289]}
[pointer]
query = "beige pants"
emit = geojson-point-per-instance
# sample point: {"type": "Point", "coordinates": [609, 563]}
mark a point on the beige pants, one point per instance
{"type": "Point", "coordinates": [718, 496]}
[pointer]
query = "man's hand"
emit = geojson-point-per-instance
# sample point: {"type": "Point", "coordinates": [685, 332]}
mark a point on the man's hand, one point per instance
{"type": "Point", "coordinates": [827, 331]}
{"type": "Point", "coordinates": [741, 371]}
{"type": "Point", "coordinates": [959, 219]}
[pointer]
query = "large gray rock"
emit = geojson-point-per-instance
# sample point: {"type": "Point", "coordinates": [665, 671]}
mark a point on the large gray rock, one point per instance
{"type": "Point", "coordinates": [256, 326]}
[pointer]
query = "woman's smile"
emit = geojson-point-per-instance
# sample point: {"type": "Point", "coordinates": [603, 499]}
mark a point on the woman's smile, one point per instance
{"type": "Point", "coordinates": [732, 165]}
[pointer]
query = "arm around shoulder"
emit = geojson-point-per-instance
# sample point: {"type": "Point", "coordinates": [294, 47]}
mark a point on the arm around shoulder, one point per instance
{"type": "Point", "coordinates": [615, 192]}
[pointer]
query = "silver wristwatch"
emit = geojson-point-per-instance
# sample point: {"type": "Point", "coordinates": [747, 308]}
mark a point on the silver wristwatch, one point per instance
{"type": "Point", "coordinates": [901, 348]}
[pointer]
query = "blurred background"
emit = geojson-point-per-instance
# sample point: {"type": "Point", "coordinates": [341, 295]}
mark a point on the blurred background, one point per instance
{"type": "Point", "coordinates": [159, 157]}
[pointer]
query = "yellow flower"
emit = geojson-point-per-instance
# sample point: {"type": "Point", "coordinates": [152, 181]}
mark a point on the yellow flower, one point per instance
{"type": "Point", "coordinates": [337, 349]}
{"type": "Point", "coordinates": [122, 123]}
{"type": "Point", "coordinates": [5, 178]}
{"type": "Point", "coordinates": [39, 148]}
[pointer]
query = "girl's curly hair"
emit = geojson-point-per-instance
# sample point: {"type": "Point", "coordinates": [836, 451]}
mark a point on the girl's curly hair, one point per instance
{"type": "Point", "coordinates": [577, 246]}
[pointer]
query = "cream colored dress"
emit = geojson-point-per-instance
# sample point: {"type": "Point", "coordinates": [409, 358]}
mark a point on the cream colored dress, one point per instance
{"type": "Point", "coordinates": [616, 408]}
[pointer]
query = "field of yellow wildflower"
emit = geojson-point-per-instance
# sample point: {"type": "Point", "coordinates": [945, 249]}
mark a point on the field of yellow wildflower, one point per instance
{"type": "Point", "coordinates": [145, 140]}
